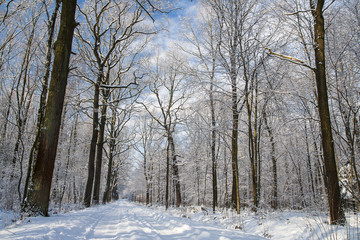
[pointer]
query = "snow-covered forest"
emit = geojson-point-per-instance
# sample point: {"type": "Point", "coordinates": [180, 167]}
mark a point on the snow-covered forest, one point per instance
{"type": "Point", "coordinates": [240, 105]}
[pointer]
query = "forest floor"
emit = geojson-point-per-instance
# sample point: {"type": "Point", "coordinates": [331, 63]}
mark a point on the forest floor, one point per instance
{"type": "Point", "coordinates": [128, 220]}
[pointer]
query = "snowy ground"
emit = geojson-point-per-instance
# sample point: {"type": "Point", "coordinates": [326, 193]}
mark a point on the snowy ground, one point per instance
{"type": "Point", "coordinates": [280, 225]}
{"type": "Point", "coordinates": [120, 220]}
{"type": "Point", "coordinates": [127, 220]}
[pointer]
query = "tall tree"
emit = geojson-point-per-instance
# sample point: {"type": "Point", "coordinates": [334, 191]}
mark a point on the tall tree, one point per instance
{"type": "Point", "coordinates": [110, 30]}
{"type": "Point", "coordinates": [43, 96]}
{"type": "Point", "coordinates": [229, 16]}
{"type": "Point", "coordinates": [342, 47]}
{"type": "Point", "coordinates": [237, 25]}
{"type": "Point", "coordinates": [170, 95]}
{"type": "Point", "coordinates": [207, 46]}
{"type": "Point", "coordinates": [38, 199]}
{"type": "Point", "coordinates": [331, 178]}
{"type": "Point", "coordinates": [331, 174]}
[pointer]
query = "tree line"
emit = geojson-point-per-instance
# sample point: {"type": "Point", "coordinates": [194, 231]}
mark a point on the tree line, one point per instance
{"type": "Point", "coordinates": [249, 104]}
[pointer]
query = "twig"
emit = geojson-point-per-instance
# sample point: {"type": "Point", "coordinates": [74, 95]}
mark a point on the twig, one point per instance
{"type": "Point", "coordinates": [119, 86]}
{"type": "Point", "coordinates": [300, 11]}
{"type": "Point", "coordinates": [328, 5]}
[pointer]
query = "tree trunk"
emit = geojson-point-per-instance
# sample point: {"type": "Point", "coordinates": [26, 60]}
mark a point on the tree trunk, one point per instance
{"type": "Point", "coordinates": [234, 145]}
{"type": "Point", "coordinates": [175, 171]}
{"type": "Point", "coordinates": [309, 167]}
{"type": "Point", "coordinates": [95, 133]}
{"type": "Point", "coordinates": [353, 163]}
{"type": "Point", "coordinates": [147, 186]}
{"type": "Point", "coordinates": [213, 146]}
{"type": "Point", "coordinates": [107, 192]}
{"type": "Point", "coordinates": [253, 145]}
{"type": "Point", "coordinates": [68, 156]}
{"type": "Point", "coordinates": [41, 183]}
{"type": "Point", "coordinates": [112, 145]}
{"type": "Point", "coordinates": [167, 175]}
{"type": "Point", "coordinates": [331, 175]}
{"type": "Point", "coordinates": [6, 119]}
{"type": "Point", "coordinates": [43, 96]}
{"type": "Point", "coordinates": [197, 169]}
{"type": "Point", "coordinates": [99, 153]}
{"type": "Point", "coordinates": [74, 146]}
{"type": "Point", "coordinates": [274, 197]}
{"type": "Point", "coordinates": [151, 192]}
{"type": "Point", "coordinates": [226, 197]}
{"type": "Point", "coordinates": [22, 109]}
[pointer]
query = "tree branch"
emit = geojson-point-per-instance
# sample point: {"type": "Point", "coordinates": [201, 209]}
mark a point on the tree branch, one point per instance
{"type": "Point", "coordinates": [117, 87]}
{"type": "Point", "coordinates": [289, 59]}
{"type": "Point", "coordinates": [300, 11]}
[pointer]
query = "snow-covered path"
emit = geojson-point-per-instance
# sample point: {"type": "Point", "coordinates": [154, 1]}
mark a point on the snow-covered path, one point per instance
{"type": "Point", "coordinates": [119, 220]}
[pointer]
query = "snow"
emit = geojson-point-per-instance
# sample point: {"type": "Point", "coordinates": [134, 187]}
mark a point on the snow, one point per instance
{"type": "Point", "coordinates": [280, 225]}
{"type": "Point", "coordinates": [119, 220]}
{"type": "Point", "coordinates": [128, 220]}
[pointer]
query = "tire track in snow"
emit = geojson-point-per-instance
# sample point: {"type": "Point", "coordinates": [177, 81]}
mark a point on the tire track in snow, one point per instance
{"type": "Point", "coordinates": [137, 225]}
{"type": "Point", "coordinates": [121, 220]}
{"type": "Point", "coordinates": [99, 217]}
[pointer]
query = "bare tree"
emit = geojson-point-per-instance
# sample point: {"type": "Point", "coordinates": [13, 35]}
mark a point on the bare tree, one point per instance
{"type": "Point", "coordinates": [167, 87]}
{"type": "Point", "coordinates": [105, 45]}
{"type": "Point", "coordinates": [342, 41]}
{"type": "Point", "coordinates": [43, 96]}
{"type": "Point", "coordinates": [38, 198]}
{"type": "Point", "coordinates": [331, 179]}
{"type": "Point", "coordinates": [240, 58]}
{"type": "Point", "coordinates": [24, 91]}
{"type": "Point", "coordinates": [146, 130]}
{"type": "Point", "coordinates": [207, 46]}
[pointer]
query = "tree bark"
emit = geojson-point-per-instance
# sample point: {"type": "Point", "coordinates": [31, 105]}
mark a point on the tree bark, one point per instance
{"type": "Point", "coordinates": [213, 143]}
{"type": "Point", "coordinates": [309, 167]}
{"type": "Point", "coordinates": [7, 114]}
{"type": "Point", "coordinates": [112, 146]}
{"type": "Point", "coordinates": [44, 91]}
{"type": "Point", "coordinates": [107, 192]}
{"type": "Point", "coordinates": [253, 147]}
{"type": "Point", "coordinates": [95, 133]}
{"type": "Point", "coordinates": [175, 171]}
{"type": "Point", "coordinates": [167, 176]}
{"type": "Point", "coordinates": [234, 148]}
{"type": "Point", "coordinates": [43, 171]}
{"type": "Point", "coordinates": [331, 174]}
{"type": "Point", "coordinates": [99, 153]}
{"type": "Point", "coordinates": [145, 169]}
{"type": "Point", "coordinates": [274, 197]}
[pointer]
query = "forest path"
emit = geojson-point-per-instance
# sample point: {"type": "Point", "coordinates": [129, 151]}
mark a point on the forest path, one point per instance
{"type": "Point", "coordinates": [119, 220]}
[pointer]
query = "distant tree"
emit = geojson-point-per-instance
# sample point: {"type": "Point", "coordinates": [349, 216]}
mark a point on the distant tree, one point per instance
{"type": "Point", "coordinates": [109, 30]}
{"type": "Point", "coordinates": [240, 56]}
{"type": "Point", "coordinates": [144, 147]}
{"type": "Point", "coordinates": [207, 46]}
{"type": "Point", "coordinates": [167, 87]}
{"type": "Point", "coordinates": [118, 139]}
